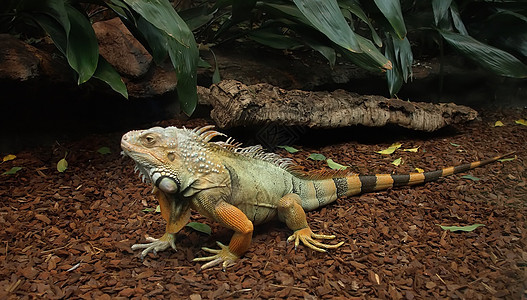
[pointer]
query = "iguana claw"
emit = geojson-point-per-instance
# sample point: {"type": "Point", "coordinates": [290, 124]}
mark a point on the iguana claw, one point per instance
{"type": "Point", "coordinates": [307, 237]}
{"type": "Point", "coordinates": [222, 256]}
{"type": "Point", "coordinates": [156, 245]}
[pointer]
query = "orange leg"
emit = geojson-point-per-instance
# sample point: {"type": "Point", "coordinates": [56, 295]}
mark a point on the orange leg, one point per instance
{"type": "Point", "coordinates": [176, 215]}
{"type": "Point", "coordinates": [233, 218]}
{"type": "Point", "coordinates": [291, 212]}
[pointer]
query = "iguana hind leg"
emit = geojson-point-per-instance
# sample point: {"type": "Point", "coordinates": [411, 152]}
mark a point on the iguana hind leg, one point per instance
{"type": "Point", "coordinates": [176, 215]}
{"type": "Point", "coordinates": [233, 218]}
{"type": "Point", "coordinates": [291, 212]}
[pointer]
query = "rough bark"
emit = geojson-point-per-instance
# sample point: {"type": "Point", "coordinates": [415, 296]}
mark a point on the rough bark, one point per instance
{"type": "Point", "coordinates": [235, 104]}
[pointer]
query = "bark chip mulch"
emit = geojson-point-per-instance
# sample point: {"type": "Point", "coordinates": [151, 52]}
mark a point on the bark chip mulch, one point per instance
{"type": "Point", "coordinates": [68, 235]}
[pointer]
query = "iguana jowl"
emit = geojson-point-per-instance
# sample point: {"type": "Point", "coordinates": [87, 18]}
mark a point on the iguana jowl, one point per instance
{"type": "Point", "coordinates": [243, 186]}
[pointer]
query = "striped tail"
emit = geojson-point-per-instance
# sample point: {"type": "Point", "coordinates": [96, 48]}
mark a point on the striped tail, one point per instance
{"type": "Point", "coordinates": [327, 190]}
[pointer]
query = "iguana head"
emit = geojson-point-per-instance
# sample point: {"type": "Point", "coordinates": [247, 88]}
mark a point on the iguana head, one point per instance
{"type": "Point", "coordinates": [157, 156]}
{"type": "Point", "coordinates": [173, 158]}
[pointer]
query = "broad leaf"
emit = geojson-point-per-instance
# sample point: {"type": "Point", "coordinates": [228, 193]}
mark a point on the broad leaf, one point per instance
{"type": "Point", "coordinates": [156, 39]}
{"type": "Point", "coordinates": [326, 51]}
{"type": "Point", "coordinates": [390, 149]}
{"type": "Point", "coordinates": [499, 124]}
{"type": "Point", "coordinates": [354, 7]}
{"type": "Point", "coordinates": [204, 228]}
{"type": "Point", "coordinates": [108, 74]}
{"type": "Point", "coordinates": [461, 228]}
{"type": "Point", "coordinates": [419, 170]}
{"type": "Point", "coordinates": [411, 149]}
{"type": "Point", "coordinates": [196, 17]}
{"type": "Point", "coordinates": [12, 171]}
{"type": "Point", "coordinates": [289, 149]}
{"type": "Point", "coordinates": [456, 19]}
{"type": "Point", "coordinates": [8, 157]}
{"type": "Point", "coordinates": [371, 59]}
{"type": "Point", "coordinates": [55, 31]}
{"type": "Point", "coordinates": [274, 40]}
{"type": "Point", "coordinates": [316, 156]}
{"type": "Point", "coordinates": [62, 165]}
{"type": "Point", "coordinates": [440, 8]}
{"type": "Point", "coordinates": [335, 166]}
{"type": "Point", "coordinates": [468, 176]}
{"type": "Point", "coordinates": [327, 18]}
{"type": "Point", "coordinates": [391, 9]}
{"type": "Point", "coordinates": [491, 58]}
{"type": "Point", "coordinates": [521, 122]}
{"type": "Point", "coordinates": [104, 150]}
{"type": "Point", "coordinates": [398, 161]}
{"type": "Point", "coordinates": [82, 50]}
{"type": "Point", "coordinates": [183, 51]}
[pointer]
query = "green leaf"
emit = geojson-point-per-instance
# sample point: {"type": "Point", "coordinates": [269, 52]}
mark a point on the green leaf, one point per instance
{"type": "Point", "coordinates": [455, 145]}
{"type": "Point", "coordinates": [316, 156]}
{"type": "Point", "coordinates": [456, 19]}
{"type": "Point", "coordinates": [108, 74]}
{"type": "Point", "coordinates": [354, 7]}
{"type": "Point", "coordinates": [181, 45]}
{"type": "Point", "coordinates": [468, 176]}
{"type": "Point", "coordinates": [54, 29]}
{"type": "Point", "coordinates": [274, 40]}
{"type": "Point", "coordinates": [499, 124]}
{"type": "Point", "coordinates": [390, 149]}
{"type": "Point", "coordinates": [461, 228]}
{"type": "Point", "coordinates": [156, 39]}
{"type": "Point", "coordinates": [158, 209]}
{"type": "Point", "coordinates": [62, 165]}
{"type": "Point", "coordinates": [196, 17]}
{"type": "Point", "coordinates": [82, 49]}
{"type": "Point", "coordinates": [289, 149]}
{"type": "Point", "coordinates": [204, 228]}
{"type": "Point", "coordinates": [391, 9]}
{"type": "Point", "coordinates": [507, 159]}
{"type": "Point", "coordinates": [371, 59]}
{"type": "Point", "coordinates": [12, 171]}
{"type": "Point", "coordinates": [397, 162]}
{"type": "Point", "coordinates": [148, 209]}
{"type": "Point", "coordinates": [327, 18]}
{"type": "Point", "coordinates": [104, 150]}
{"type": "Point", "coordinates": [326, 51]}
{"type": "Point", "coordinates": [440, 8]}
{"type": "Point", "coordinates": [521, 122]}
{"type": "Point", "coordinates": [335, 166]}
{"type": "Point", "coordinates": [491, 58]}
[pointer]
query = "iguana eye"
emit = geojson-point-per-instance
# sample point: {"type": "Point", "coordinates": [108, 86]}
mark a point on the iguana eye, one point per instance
{"type": "Point", "coordinates": [149, 140]}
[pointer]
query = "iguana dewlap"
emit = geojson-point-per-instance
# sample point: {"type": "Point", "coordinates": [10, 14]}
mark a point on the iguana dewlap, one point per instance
{"type": "Point", "coordinates": [241, 187]}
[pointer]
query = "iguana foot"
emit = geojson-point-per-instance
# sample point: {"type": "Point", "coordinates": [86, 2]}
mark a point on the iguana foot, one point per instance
{"type": "Point", "coordinates": [222, 256]}
{"type": "Point", "coordinates": [157, 245]}
{"type": "Point", "coordinates": [307, 237]}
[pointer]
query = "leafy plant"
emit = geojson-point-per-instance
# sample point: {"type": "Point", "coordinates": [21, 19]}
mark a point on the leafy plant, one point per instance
{"type": "Point", "coordinates": [154, 22]}
{"type": "Point", "coordinates": [379, 35]}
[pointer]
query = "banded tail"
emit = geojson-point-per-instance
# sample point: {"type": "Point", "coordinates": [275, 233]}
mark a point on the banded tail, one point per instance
{"type": "Point", "coordinates": [319, 192]}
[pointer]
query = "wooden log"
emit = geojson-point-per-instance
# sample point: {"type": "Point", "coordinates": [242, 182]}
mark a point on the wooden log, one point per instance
{"type": "Point", "coordinates": [236, 104]}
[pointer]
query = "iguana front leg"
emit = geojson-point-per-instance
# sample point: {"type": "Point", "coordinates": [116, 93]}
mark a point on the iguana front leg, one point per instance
{"type": "Point", "coordinates": [231, 217]}
{"type": "Point", "coordinates": [291, 212]}
{"type": "Point", "coordinates": [176, 213]}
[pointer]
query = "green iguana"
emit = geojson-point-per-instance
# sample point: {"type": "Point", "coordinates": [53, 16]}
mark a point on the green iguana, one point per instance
{"type": "Point", "coordinates": [243, 186]}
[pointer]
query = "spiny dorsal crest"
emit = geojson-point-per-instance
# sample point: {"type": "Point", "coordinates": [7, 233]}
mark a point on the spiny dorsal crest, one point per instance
{"type": "Point", "coordinates": [206, 133]}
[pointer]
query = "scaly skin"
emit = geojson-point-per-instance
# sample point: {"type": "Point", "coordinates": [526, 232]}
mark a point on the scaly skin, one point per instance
{"type": "Point", "coordinates": [242, 187]}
